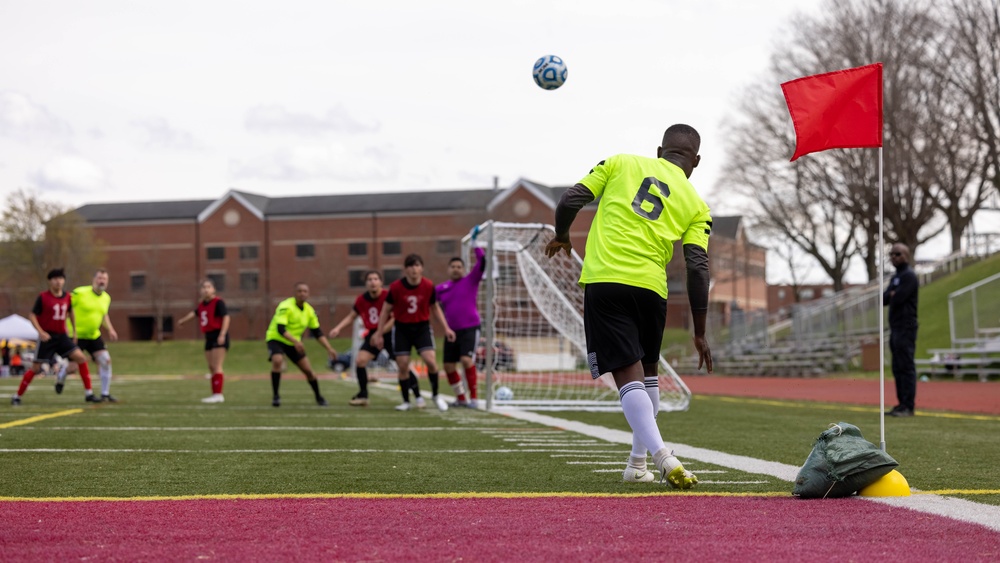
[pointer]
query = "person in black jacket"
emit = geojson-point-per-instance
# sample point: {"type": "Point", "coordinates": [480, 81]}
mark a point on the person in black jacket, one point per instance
{"type": "Point", "coordinates": [901, 297]}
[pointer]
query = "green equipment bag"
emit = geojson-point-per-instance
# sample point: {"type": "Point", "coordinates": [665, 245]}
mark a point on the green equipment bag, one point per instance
{"type": "Point", "coordinates": [841, 463]}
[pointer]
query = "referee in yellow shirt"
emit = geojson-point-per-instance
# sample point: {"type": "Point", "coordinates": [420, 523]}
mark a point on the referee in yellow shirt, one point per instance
{"type": "Point", "coordinates": [646, 205]}
{"type": "Point", "coordinates": [91, 304]}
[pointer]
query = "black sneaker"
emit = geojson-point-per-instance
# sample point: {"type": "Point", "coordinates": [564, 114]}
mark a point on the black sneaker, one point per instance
{"type": "Point", "coordinates": [108, 399]}
{"type": "Point", "coordinates": [901, 413]}
{"type": "Point", "coordinates": [322, 402]}
{"type": "Point", "coordinates": [92, 399]}
{"type": "Point", "coordinates": [276, 402]}
{"type": "Point", "coordinates": [15, 401]}
{"type": "Point", "coordinates": [59, 387]}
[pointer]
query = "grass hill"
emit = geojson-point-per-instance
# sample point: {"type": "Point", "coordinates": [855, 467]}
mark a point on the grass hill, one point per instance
{"type": "Point", "coordinates": [932, 312]}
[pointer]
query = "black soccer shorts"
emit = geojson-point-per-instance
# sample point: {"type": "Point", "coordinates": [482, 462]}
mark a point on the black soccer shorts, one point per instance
{"type": "Point", "coordinates": [624, 324]}
{"type": "Point", "coordinates": [465, 344]}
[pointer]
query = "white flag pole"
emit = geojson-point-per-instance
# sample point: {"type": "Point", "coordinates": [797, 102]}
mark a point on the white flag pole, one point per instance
{"type": "Point", "coordinates": [881, 310]}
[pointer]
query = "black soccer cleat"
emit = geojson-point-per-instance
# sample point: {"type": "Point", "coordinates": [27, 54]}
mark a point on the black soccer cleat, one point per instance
{"type": "Point", "coordinates": [276, 402]}
{"type": "Point", "coordinates": [108, 399]}
{"type": "Point", "coordinates": [59, 387]}
{"type": "Point", "coordinates": [92, 399]}
{"type": "Point", "coordinates": [15, 401]}
{"type": "Point", "coordinates": [322, 402]}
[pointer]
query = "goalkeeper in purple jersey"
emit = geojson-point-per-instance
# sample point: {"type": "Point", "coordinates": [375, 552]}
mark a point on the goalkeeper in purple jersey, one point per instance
{"type": "Point", "coordinates": [458, 297]}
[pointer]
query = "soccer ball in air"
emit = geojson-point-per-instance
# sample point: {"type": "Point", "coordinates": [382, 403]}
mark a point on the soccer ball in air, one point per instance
{"type": "Point", "coordinates": [503, 393]}
{"type": "Point", "coordinates": [550, 72]}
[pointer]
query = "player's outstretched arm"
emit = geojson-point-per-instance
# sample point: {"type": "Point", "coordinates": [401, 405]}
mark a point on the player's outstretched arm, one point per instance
{"type": "Point", "coordinates": [569, 205]}
{"type": "Point", "coordinates": [185, 318]}
{"type": "Point", "coordinates": [348, 319]}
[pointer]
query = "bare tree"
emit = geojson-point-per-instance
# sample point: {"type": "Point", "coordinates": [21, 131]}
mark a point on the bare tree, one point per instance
{"type": "Point", "coordinates": [37, 235]}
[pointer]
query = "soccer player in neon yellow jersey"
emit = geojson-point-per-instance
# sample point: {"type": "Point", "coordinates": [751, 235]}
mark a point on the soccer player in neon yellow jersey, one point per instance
{"type": "Point", "coordinates": [647, 204]}
{"type": "Point", "coordinates": [91, 304]}
{"type": "Point", "coordinates": [291, 319]}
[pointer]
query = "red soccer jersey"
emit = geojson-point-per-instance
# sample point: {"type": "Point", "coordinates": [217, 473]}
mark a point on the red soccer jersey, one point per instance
{"type": "Point", "coordinates": [52, 311]}
{"type": "Point", "coordinates": [369, 309]}
{"type": "Point", "coordinates": [210, 314]}
{"type": "Point", "coordinates": [412, 304]}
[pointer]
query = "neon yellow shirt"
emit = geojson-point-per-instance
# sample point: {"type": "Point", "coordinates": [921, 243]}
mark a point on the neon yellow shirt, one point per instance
{"type": "Point", "coordinates": [646, 205]}
{"type": "Point", "coordinates": [90, 309]}
{"type": "Point", "coordinates": [296, 320]}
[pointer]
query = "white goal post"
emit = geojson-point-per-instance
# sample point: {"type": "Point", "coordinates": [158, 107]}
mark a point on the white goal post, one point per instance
{"type": "Point", "coordinates": [532, 309]}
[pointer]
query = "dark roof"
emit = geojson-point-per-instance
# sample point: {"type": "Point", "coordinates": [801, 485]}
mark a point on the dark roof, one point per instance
{"type": "Point", "coordinates": [383, 202]}
{"type": "Point", "coordinates": [143, 210]}
{"type": "Point", "coordinates": [726, 227]}
{"type": "Point", "coordinates": [416, 201]}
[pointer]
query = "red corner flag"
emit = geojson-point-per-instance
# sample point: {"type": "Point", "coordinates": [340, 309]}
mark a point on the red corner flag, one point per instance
{"type": "Point", "coordinates": [836, 110]}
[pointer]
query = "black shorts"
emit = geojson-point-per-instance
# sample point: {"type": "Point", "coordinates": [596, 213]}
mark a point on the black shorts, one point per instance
{"type": "Point", "coordinates": [91, 346]}
{"type": "Point", "coordinates": [289, 351]}
{"type": "Point", "coordinates": [371, 349]}
{"type": "Point", "coordinates": [624, 325]}
{"type": "Point", "coordinates": [60, 344]}
{"type": "Point", "coordinates": [411, 335]}
{"type": "Point", "coordinates": [212, 340]}
{"type": "Point", "coordinates": [465, 344]}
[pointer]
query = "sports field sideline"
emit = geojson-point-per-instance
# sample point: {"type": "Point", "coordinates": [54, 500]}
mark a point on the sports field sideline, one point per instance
{"type": "Point", "coordinates": [175, 479]}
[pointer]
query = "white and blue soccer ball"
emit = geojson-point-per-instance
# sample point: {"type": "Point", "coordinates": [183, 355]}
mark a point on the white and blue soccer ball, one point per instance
{"type": "Point", "coordinates": [550, 72]}
{"type": "Point", "coordinates": [503, 393]}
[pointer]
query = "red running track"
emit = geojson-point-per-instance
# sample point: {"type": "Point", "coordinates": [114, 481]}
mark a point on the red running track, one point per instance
{"type": "Point", "coordinates": [959, 396]}
{"type": "Point", "coordinates": [660, 528]}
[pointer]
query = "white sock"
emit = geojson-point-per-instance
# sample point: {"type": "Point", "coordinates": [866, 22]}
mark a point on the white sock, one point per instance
{"type": "Point", "coordinates": [105, 372]}
{"type": "Point", "coordinates": [638, 411]}
{"type": "Point", "coordinates": [61, 376]}
{"type": "Point", "coordinates": [665, 458]}
{"type": "Point", "coordinates": [653, 390]}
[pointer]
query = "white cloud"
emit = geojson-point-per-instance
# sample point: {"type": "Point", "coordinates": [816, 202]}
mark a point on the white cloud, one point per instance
{"type": "Point", "coordinates": [159, 134]}
{"type": "Point", "coordinates": [70, 173]}
{"type": "Point", "coordinates": [277, 119]}
{"type": "Point", "coordinates": [24, 120]}
{"type": "Point", "coordinates": [315, 162]}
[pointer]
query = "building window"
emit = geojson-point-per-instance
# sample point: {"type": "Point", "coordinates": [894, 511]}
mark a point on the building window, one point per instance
{"type": "Point", "coordinates": [138, 282]}
{"type": "Point", "coordinates": [446, 246]}
{"type": "Point", "coordinates": [390, 275]}
{"type": "Point", "coordinates": [828, 291]}
{"type": "Point", "coordinates": [215, 253]}
{"type": "Point", "coordinates": [249, 281]}
{"type": "Point", "coordinates": [218, 280]}
{"type": "Point", "coordinates": [307, 250]}
{"type": "Point", "coordinates": [392, 248]}
{"type": "Point", "coordinates": [356, 278]}
{"type": "Point", "coordinates": [781, 294]}
{"type": "Point", "coordinates": [249, 252]}
{"type": "Point", "coordinates": [357, 249]}
{"type": "Point", "coordinates": [806, 294]}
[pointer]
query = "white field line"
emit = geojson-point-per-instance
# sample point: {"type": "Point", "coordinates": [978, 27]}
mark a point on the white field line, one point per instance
{"type": "Point", "coordinates": [255, 428]}
{"type": "Point", "coordinates": [277, 451]}
{"type": "Point", "coordinates": [958, 509]}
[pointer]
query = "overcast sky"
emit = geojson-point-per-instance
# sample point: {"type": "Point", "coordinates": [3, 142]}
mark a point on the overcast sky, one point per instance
{"type": "Point", "coordinates": [105, 101]}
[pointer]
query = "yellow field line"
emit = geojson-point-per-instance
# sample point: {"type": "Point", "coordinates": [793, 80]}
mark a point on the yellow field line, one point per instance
{"type": "Point", "coordinates": [374, 496]}
{"type": "Point", "coordinates": [454, 496]}
{"type": "Point", "coordinates": [839, 407]}
{"type": "Point", "coordinates": [40, 417]}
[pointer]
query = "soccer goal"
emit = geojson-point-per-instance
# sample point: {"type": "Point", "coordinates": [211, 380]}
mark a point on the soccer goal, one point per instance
{"type": "Point", "coordinates": [532, 309]}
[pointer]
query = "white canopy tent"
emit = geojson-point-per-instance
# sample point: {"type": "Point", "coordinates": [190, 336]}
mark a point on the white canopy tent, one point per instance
{"type": "Point", "coordinates": [16, 327]}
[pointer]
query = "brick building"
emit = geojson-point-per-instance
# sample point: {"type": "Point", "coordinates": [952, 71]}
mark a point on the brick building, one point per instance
{"type": "Point", "coordinates": [255, 248]}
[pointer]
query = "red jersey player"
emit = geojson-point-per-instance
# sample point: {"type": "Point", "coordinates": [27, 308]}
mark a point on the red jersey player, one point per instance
{"type": "Point", "coordinates": [52, 309]}
{"type": "Point", "coordinates": [411, 301]}
{"type": "Point", "coordinates": [368, 306]}
{"type": "Point", "coordinates": [213, 318]}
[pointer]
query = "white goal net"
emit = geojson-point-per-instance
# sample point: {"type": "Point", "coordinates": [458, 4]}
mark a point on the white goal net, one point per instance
{"type": "Point", "coordinates": [532, 309]}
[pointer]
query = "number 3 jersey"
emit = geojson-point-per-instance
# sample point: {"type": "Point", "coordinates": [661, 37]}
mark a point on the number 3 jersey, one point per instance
{"type": "Point", "coordinates": [411, 304]}
{"type": "Point", "coordinates": [52, 311]}
{"type": "Point", "coordinates": [646, 205]}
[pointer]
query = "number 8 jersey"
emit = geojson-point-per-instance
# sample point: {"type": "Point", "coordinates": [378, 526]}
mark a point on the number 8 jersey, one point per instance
{"type": "Point", "coordinates": [646, 205]}
{"type": "Point", "coordinates": [369, 308]}
{"type": "Point", "coordinates": [52, 311]}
